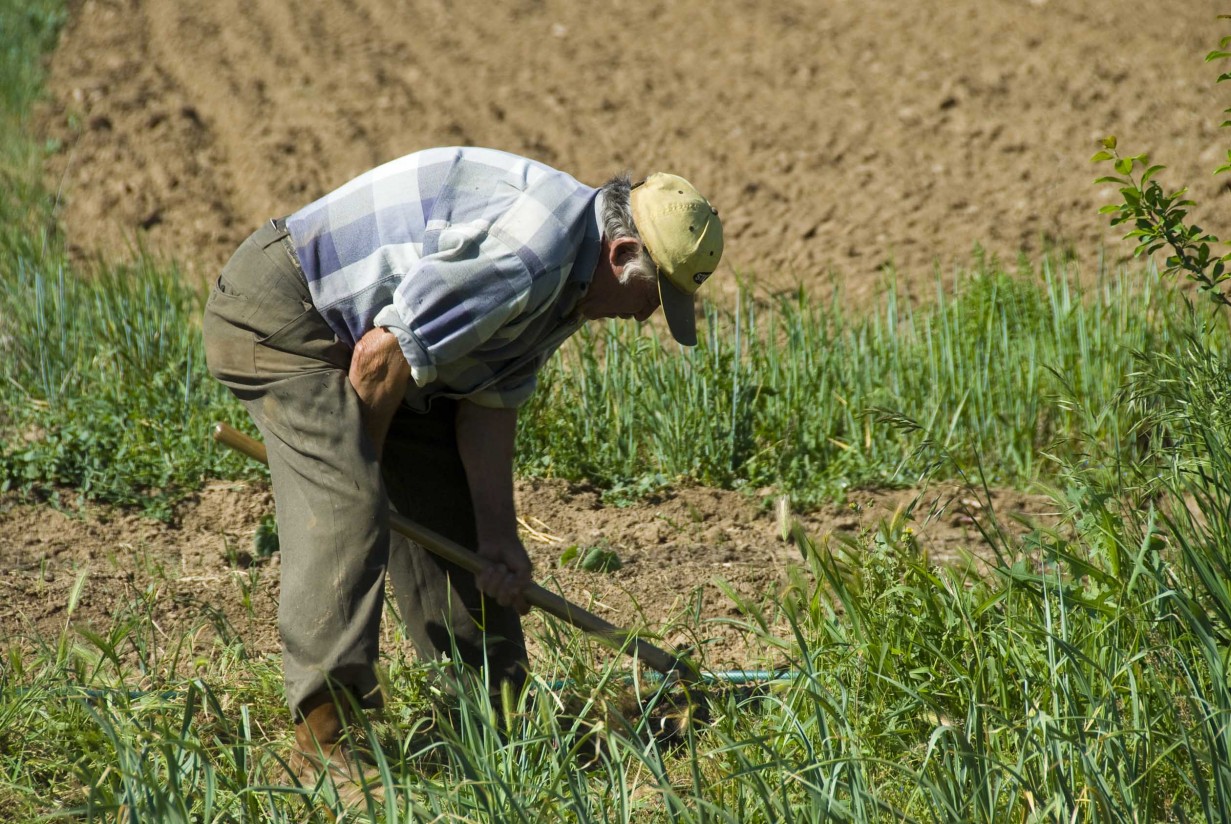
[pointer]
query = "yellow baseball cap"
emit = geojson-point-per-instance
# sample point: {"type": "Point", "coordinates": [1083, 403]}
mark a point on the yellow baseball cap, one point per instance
{"type": "Point", "coordinates": [682, 233]}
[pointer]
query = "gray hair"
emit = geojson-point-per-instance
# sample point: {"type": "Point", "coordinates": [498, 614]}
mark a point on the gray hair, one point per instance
{"type": "Point", "coordinates": [618, 223]}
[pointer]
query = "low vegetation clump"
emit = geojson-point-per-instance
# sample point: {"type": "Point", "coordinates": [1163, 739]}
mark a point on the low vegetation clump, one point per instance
{"type": "Point", "coordinates": [807, 399]}
{"type": "Point", "coordinates": [1080, 676]}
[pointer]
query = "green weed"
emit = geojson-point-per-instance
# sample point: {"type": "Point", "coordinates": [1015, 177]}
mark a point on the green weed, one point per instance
{"type": "Point", "coordinates": [790, 395]}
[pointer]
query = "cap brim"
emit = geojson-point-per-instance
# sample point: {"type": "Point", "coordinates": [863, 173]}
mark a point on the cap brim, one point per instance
{"type": "Point", "coordinates": [678, 307]}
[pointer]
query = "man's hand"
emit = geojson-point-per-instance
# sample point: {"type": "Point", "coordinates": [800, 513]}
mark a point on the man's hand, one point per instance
{"type": "Point", "coordinates": [507, 575]}
{"type": "Point", "coordinates": [379, 373]}
{"type": "Point", "coordinates": [485, 442]}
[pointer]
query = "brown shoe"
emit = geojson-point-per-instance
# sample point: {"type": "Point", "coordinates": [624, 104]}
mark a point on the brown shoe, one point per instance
{"type": "Point", "coordinates": [325, 755]}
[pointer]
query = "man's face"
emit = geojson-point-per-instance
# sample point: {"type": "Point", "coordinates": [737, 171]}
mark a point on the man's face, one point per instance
{"type": "Point", "coordinates": [636, 298]}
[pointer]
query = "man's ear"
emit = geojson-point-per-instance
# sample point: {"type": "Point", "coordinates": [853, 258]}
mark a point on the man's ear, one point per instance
{"type": "Point", "coordinates": [623, 250]}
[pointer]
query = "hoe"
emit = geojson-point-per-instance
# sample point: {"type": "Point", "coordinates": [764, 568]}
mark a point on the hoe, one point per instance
{"type": "Point", "coordinates": [674, 669]}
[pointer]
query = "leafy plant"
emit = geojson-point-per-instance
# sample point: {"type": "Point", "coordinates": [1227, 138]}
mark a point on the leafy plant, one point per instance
{"type": "Point", "coordinates": [592, 558]}
{"type": "Point", "coordinates": [1159, 218]}
{"type": "Point", "coordinates": [265, 539]}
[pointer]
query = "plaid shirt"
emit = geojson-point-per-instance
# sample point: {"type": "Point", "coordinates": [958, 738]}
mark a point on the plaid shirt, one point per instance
{"type": "Point", "coordinates": [475, 259]}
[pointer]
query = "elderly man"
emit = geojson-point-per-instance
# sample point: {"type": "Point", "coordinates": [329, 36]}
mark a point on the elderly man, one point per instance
{"type": "Point", "coordinates": [383, 338]}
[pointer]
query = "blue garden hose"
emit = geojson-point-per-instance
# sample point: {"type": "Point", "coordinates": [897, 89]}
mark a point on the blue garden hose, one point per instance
{"type": "Point", "coordinates": [740, 676]}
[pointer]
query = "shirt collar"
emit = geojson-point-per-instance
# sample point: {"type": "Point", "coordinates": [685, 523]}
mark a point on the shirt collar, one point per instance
{"type": "Point", "coordinates": [587, 257]}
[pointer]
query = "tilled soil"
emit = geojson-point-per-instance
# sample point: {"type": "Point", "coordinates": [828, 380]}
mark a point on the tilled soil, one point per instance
{"type": "Point", "coordinates": [834, 137]}
{"type": "Point", "coordinates": [677, 552]}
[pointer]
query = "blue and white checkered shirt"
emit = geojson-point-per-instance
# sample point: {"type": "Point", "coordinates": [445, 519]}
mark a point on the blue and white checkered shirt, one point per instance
{"type": "Point", "coordinates": [475, 259]}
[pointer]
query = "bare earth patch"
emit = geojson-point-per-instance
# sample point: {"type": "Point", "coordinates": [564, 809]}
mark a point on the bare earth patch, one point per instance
{"type": "Point", "coordinates": [834, 137]}
{"type": "Point", "coordinates": [199, 573]}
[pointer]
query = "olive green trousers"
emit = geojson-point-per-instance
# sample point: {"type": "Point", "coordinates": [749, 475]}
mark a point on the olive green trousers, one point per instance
{"type": "Point", "coordinates": [266, 342]}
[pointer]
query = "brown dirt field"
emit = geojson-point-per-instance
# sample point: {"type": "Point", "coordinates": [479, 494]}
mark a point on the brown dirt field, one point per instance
{"type": "Point", "coordinates": [199, 571]}
{"type": "Point", "coordinates": [834, 137]}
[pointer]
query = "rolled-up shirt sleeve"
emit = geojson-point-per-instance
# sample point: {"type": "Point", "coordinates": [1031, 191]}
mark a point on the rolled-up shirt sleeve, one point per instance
{"type": "Point", "coordinates": [422, 370]}
{"type": "Point", "coordinates": [454, 300]}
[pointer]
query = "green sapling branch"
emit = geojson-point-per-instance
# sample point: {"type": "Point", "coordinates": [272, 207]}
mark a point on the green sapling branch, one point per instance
{"type": "Point", "coordinates": [1161, 219]}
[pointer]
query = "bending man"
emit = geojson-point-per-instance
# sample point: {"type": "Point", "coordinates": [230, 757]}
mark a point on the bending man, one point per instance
{"type": "Point", "coordinates": [382, 339]}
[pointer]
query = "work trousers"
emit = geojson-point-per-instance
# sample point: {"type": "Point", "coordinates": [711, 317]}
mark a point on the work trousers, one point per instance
{"type": "Point", "coordinates": [267, 343]}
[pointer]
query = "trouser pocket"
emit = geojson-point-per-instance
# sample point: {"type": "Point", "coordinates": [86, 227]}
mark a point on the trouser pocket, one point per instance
{"type": "Point", "coordinates": [259, 321]}
{"type": "Point", "coordinates": [230, 348]}
{"type": "Point", "coordinates": [303, 344]}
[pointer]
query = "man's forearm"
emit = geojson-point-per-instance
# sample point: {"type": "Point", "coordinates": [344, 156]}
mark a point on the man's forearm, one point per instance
{"type": "Point", "coordinates": [485, 442]}
{"type": "Point", "coordinates": [379, 374]}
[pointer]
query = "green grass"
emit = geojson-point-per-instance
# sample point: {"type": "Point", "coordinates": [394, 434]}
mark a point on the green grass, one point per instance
{"type": "Point", "coordinates": [103, 391]}
{"type": "Point", "coordinates": [811, 399]}
{"type": "Point", "coordinates": [27, 32]}
{"type": "Point", "coordinates": [106, 394]}
{"type": "Point", "coordinates": [1082, 678]}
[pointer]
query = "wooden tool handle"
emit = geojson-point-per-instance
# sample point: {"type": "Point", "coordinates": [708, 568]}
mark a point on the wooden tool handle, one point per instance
{"type": "Point", "coordinates": [544, 599]}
